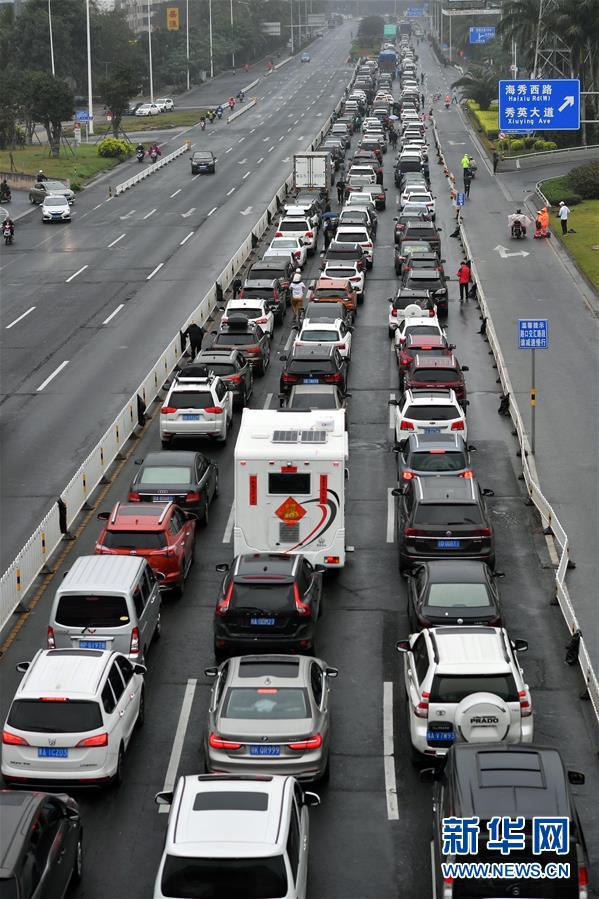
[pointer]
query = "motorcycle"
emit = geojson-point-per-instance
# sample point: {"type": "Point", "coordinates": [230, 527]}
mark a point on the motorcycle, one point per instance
{"type": "Point", "coordinates": [219, 113]}
{"type": "Point", "coordinates": [6, 196]}
{"type": "Point", "coordinates": [7, 234]}
{"type": "Point", "coordinates": [473, 167]}
{"type": "Point", "coordinates": [518, 231]}
{"type": "Point", "coordinates": [140, 155]}
{"type": "Point", "coordinates": [153, 157]}
{"type": "Point", "coordinates": [203, 124]}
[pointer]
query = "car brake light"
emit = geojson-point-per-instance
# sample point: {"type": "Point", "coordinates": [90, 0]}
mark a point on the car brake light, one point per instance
{"type": "Point", "coordinates": [457, 425]}
{"type": "Point", "coordinates": [367, 244]}
{"type": "Point", "coordinates": [279, 234]}
{"type": "Point", "coordinates": [468, 474]}
{"type": "Point", "coordinates": [333, 379]}
{"type": "Point", "coordinates": [234, 379]}
{"type": "Point", "coordinates": [289, 379]}
{"type": "Point", "coordinates": [217, 743]}
{"type": "Point", "coordinates": [297, 253]}
{"type": "Point", "coordinates": [50, 641]}
{"type": "Point", "coordinates": [406, 426]}
{"type": "Point", "coordinates": [407, 475]}
{"type": "Point", "coordinates": [133, 496]}
{"type": "Point", "coordinates": [98, 740]}
{"type": "Point", "coordinates": [309, 234]}
{"type": "Point", "coordinates": [583, 881]}
{"type": "Point", "coordinates": [301, 607]}
{"type": "Point", "coordinates": [251, 349]}
{"type": "Point", "coordinates": [134, 647]}
{"type": "Point", "coordinates": [222, 606]}
{"type": "Point", "coordinates": [394, 313]}
{"type": "Point", "coordinates": [167, 410]}
{"type": "Point", "coordinates": [193, 496]}
{"type": "Point", "coordinates": [525, 706]}
{"type": "Point", "coordinates": [314, 742]}
{"type": "Point", "coordinates": [262, 319]}
{"type": "Point", "coordinates": [13, 739]}
{"type": "Point", "coordinates": [355, 278]}
{"type": "Point", "coordinates": [214, 410]}
{"type": "Point", "coordinates": [339, 346]}
{"type": "Point", "coordinates": [421, 710]}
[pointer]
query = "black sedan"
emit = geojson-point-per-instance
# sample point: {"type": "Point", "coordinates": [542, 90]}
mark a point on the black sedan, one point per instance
{"type": "Point", "coordinates": [268, 602]}
{"type": "Point", "coordinates": [186, 478]}
{"type": "Point", "coordinates": [454, 593]}
{"type": "Point", "coordinates": [203, 162]}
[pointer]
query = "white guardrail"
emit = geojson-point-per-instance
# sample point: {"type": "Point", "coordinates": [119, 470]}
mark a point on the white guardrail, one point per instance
{"type": "Point", "coordinates": [151, 169]}
{"type": "Point", "coordinates": [549, 519]}
{"type": "Point", "coordinates": [33, 558]}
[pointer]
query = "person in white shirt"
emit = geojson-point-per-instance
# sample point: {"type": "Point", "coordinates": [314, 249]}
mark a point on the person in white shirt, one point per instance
{"type": "Point", "coordinates": [562, 213]}
{"type": "Point", "coordinates": [297, 295]}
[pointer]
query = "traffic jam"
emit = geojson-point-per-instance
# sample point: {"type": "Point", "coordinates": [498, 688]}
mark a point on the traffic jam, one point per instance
{"type": "Point", "coordinates": [238, 826]}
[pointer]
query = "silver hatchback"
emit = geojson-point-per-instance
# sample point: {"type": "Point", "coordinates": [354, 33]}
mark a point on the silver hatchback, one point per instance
{"type": "Point", "coordinates": [270, 714]}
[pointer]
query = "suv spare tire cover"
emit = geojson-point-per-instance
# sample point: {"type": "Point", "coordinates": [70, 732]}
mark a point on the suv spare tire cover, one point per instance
{"type": "Point", "coordinates": [482, 718]}
{"type": "Point", "coordinates": [413, 311]}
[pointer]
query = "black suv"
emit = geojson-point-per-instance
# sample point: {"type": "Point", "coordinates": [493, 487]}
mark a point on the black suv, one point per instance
{"type": "Point", "coordinates": [273, 267]}
{"type": "Point", "coordinates": [269, 289]}
{"type": "Point", "coordinates": [242, 334]}
{"type": "Point", "coordinates": [341, 252]}
{"type": "Point", "coordinates": [512, 780]}
{"type": "Point", "coordinates": [203, 161]}
{"type": "Point", "coordinates": [269, 602]}
{"type": "Point", "coordinates": [420, 229]}
{"type": "Point", "coordinates": [443, 518]}
{"type": "Point", "coordinates": [231, 366]}
{"type": "Point", "coordinates": [313, 365]}
{"type": "Point", "coordinates": [428, 279]}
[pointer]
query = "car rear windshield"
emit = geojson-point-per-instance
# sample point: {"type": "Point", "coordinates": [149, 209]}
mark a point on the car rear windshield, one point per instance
{"type": "Point", "coordinates": [134, 540]}
{"type": "Point", "coordinates": [438, 461]}
{"type": "Point", "coordinates": [231, 339]}
{"type": "Point", "coordinates": [285, 242]}
{"type": "Point", "coordinates": [246, 312]}
{"type": "Point", "coordinates": [264, 274]}
{"type": "Point", "coordinates": [339, 253]}
{"type": "Point", "coordinates": [339, 273]}
{"type": "Point", "coordinates": [428, 283]}
{"type": "Point", "coordinates": [471, 596]}
{"type": "Point", "coordinates": [191, 399]}
{"type": "Point", "coordinates": [431, 413]}
{"type": "Point", "coordinates": [266, 703]}
{"type": "Point", "coordinates": [307, 366]}
{"type": "Point", "coordinates": [167, 474]}
{"type": "Point", "coordinates": [295, 226]}
{"type": "Point", "coordinates": [328, 293]}
{"type": "Point", "coordinates": [436, 375]}
{"type": "Point", "coordinates": [79, 610]}
{"type": "Point", "coordinates": [222, 368]}
{"type": "Point", "coordinates": [216, 878]}
{"type": "Point", "coordinates": [454, 688]}
{"type": "Point", "coordinates": [267, 597]}
{"type": "Point", "coordinates": [307, 401]}
{"type": "Point", "coordinates": [448, 514]}
{"type": "Point", "coordinates": [319, 336]}
{"type": "Point", "coordinates": [257, 293]}
{"type": "Point", "coordinates": [59, 717]}
{"type": "Point", "coordinates": [351, 237]}
{"type": "Point", "coordinates": [425, 228]}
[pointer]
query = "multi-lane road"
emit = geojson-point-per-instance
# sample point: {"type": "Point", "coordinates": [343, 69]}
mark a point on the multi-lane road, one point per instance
{"type": "Point", "coordinates": [370, 837]}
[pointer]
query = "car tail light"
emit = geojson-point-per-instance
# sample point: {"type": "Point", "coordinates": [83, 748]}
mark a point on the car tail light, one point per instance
{"type": "Point", "coordinates": [279, 234]}
{"type": "Point", "coordinates": [314, 742]}
{"type": "Point", "coordinates": [583, 875]}
{"type": "Point", "coordinates": [339, 346]}
{"type": "Point", "coordinates": [468, 474]}
{"type": "Point", "coordinates": [234, 379]}
{"type": "Point", "coordinates": [218, 743]}
{"type": "Point", "coordinates": [407, 475]}
{"type": "Point", "coordinates": [355, 278]}
{"type": "Point", "coordinates": [193, 496]}
{"type": "Point", "coordinates": [309, 234]}
{"type": "Point", "coordinates": [481, 532]}
{"type": "Point", "coordinates": [421, 710]}
{"type": "Point", "coordinates": [404, 358]}
{"type": "Point", "coordinates": [13, 739]}
{"type": "Point", "coordinates": [262, 320]}
{"type": "Point", "coordinates": [447, 888]}
{"type": "Point", "coordinates": [134, 647]}
{"type": "Point", "coordinates": [275, 293]}
{"type": "Point", "coordinates": [457, 425]}
{"type": "Point", "coordinates": [360, 264]}
{"type": "Point", "coordinates": [431, 313]}
{"type": "Point", "coordinates": [214, 410]}
{"type": "Point", "coordinates": [98, 740]}
{"type": "Point", "coordinates": [251, 349]}
{"type": "Point", "coordinates": [414, 532]}
{"type": "Point", "coordinates": [301, 607]}
{"type": "Point", "coordinates": [297, 253]}
{"type": "Point", "coordinates": [394, 313]}
{"type": "Point", "coordinates": [289, 379]}
{"type": "Point", "coordinates": [333, 379]}
{"type": "Point", "coordinates": [133, 496]}
{"type": "Point", "coordinates": [50, 641]}
{"type": "Point", "coordinates": [332, 560]}
{"type": "Point", "coordinates": [222, 606]}
{"type": "Point", "coordinates": [406, 426]}
{"type": "Point", "coordinates": [167, 410]}
{"type": "Point", "coordinates": [525, 706]}
{"type": "Point", "coordinates": [367, 244]}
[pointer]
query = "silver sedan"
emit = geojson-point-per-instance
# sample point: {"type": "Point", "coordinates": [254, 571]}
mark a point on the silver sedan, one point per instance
{"type": "Point", "coordinates": [270, 714]}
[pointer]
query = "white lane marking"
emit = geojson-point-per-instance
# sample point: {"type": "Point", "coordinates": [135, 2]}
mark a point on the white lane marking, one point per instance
{"type": "Point", "coordinates": [82, 269]}
{"type": "Point", "coordinates": [301, 137]}
{"type": "Point", "coordinates": [229, 150]}
{"type": "Point", "coordinates": [265, 140]}
{"type": "Point", "coordinates": [229, 192]}
{"type": "Point", "coordinates": [267, 401]}
{"type": "Point", "coordinates": [195, 177]}
{"type": "Point", "coordinates": [241, 140]}
{"type": "Point", "coordinates": [214, 208]}
{"type": "Point", "coordinates": [20, 318]}
{"type": "Point", "coordinates": [289, 115]}
{"type": "Point", "coordinates": [388, 752]}
{"type": "Point", "coordinates": [282, 137]}
{"type": "Point", "coordinates": [392, 412]}
{"type": "Point", "coordinates": [229, 525]}
{"type": "Point", "coordinates": [157, 269]}
{"type": "Point", "coordinates": [270, 149]}
{"type": "Point", "coordinates": [288, 130]}
{"type": "Point", "coordinates": [173, 763]}
{"type": "Point", "coordinates": [115, 241]}
{"type": "Point", "coordinates": [185, 239]}
{"type": "Point", "coordinates": [96, 207]}
{"type": "Point", "coordinates": [390, 515]}
{"type": "Point", "coordinates": [53, 375]}
{"type": "Point", "coordinates": [185, 215]}
{"type": "Point", "coordinates": [247, 174]}
{"type": "Point", "coordinates": [112, 314]}
{"type": "Point", "coordinates": [151, 212]}
{"type": "Point", "coordinates": [175, 193]}
{"type": "Point", "coordinates": [296, 121]}
{"type": "Point", "coordinates": [258, 161]}
{"type": "Point", "coordinates": [252, 131]}
{"type": "Point", "coordinates": [241, 161]}
{"type": "Point", "coordinates": [128, 215]}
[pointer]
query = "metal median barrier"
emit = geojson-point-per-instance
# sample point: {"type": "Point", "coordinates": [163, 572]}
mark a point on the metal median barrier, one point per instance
{"type": "Point", "coordinates": [33, 558]}
{"type": "Point", "coordinates": [549, 520]}
{"type": "Point", "coordinates": [151, 169]}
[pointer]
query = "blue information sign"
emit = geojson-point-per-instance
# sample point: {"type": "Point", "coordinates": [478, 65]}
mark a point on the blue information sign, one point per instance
{"type": "Point", "coordinates": [550, 105]}
{"type": "Point", "coordinates": [82, 115]}
{"type": "Point", "coordinates": [482, 34]}
{"type": "Point", "coordinates": [532, 334]}
{"type": "Point", "coordinates": [459, 200]}
{"type": "Point", "coordinates": [414, 12]}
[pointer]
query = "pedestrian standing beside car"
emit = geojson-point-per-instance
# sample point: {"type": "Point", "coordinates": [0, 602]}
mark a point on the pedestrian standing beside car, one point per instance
{"type": "Point", "coordinates": [464, 275]}
{"type": "Point", "coordinates": [196, 336]}
{"type": "Point", "coordinates": [237, 285]}
{"type": "Point", "coordinates": [562, 213]}
{"type": "Point", "coordinates": [340, 191]}
{"type": "Point", "coordinates": [327, 230]}
{"type": "Point", "coordinates": [297, 296]}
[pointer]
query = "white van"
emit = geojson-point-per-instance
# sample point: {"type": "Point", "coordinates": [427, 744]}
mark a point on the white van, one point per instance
{"type": "Point", "coordinates": [290, 470]}
{"type": "Point", "coordinates": [106, 602]}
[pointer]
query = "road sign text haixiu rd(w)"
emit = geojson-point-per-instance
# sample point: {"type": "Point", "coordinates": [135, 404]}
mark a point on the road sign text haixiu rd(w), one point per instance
{"type": "Point", "coordinates": [532, 334]}
{"type": "Point", "coordinates": [550, 105]}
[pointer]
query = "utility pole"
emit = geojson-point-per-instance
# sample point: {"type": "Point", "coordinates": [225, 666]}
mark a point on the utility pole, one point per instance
{"type": "Point", "coordinates": [187, 38]}
{"type": "Point", "coordinates": [51, 38]}
{"type": "Point", "coordinates": [90, 106]}
{"type": "Point", "coordinates": [232, 39]}
{"type": "Point", "coordinates": [150, 53]}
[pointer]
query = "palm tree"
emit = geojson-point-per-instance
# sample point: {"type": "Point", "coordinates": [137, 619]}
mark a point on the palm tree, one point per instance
{"type": "Point", "coordinates": [577, 23]}
{"type": "Point", "coordinates": [519, 22]}
{"type": "Point", "coordinates": [479, 83]}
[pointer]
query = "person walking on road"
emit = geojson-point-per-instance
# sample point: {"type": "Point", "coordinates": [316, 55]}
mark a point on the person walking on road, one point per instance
{"type": "Point", "coordinates": [340, 191]}
{"type": "Point", "coordinates": [297, 297]}
{"type": "Point", "coordinates": [562, 213]}
{"type": "Point", "coordinates": [465, 162]}
{"type": "Point", "coordinates": [196, 336]}
{"type": "Point", "coordinates": [236, 285]}
{"type": "Point", "coordinates": [467, 182]}
{"type": "Point", "coordinates": [327, 231]}
{"type": "Point", "coordinates": [464, 277]}
{"type": "Point", "coordinates": [495, 161]}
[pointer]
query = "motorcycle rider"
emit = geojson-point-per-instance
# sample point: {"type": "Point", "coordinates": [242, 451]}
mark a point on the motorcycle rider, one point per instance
{"type": "Point", "coordinates": [8, 229]}
{"type": "Point", "coordinates": [41, 177]}
{"type": "Point", "coordinates": [203, 123]}
{"type": "Point", "coordinates": [140, 151]}
{"type": "Point", "coordinates": [297, 296]}
{"type": "Point", "coordinates": [518, 216]}
{"type": "Point", "coordinates": [4, 190]}
{"type": "Point", "coordinates": [154, 152]}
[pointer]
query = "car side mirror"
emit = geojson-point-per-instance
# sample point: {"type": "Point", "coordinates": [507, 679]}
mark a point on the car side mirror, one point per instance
{"type": "Point", "coordinates": [498, 574]}
{"type": "Point", "coordinates": [472, 449]}
{"type": "Point", "coordinates": [212, 671]}
{"type": "Point", "coordinates": [486, 491]}
{"type": "Point", "coordinates": [399, 491]}
{"type": "Point", "coordinates": [403, 646]}
{"type": "Point", "coordinates": [576, 778]}
{"type": "Point", "coordinates": [452, 346]}
{"type": "Point", "coordinates": [71, 813]}
{"type": "Point", "coordinates": [22, 667]}
{"type": "Point", "coordinates": [429, 775]}
{"type": "Point", "coordinates": [139, 462]}
{"type": "Point", "coordinates": [520, 645]}
{"type": "Point", "coordinates": [311, 799]}
{"type": "Point", "coordinates": [222, 566]}
{"type": "Point", "coordinates": [465, 368]}
{"type": "Point", "coordinates": [139, 669]}
{"type": "Point", "coordinates": [393, 402]}
{"type": "Point", "coordinates": [331, 672]}
{"type": "Point", "coordinates": [164, 798]}
{"type": "Point", "coordinates": [103, 516]}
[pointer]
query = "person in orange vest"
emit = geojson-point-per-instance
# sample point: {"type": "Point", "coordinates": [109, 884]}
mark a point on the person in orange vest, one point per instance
{"type": "Point", "coordinates": [542, 223]}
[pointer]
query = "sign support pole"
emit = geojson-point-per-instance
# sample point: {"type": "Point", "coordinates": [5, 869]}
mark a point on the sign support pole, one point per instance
{"type": "Point", "coordinates": [533, 401]}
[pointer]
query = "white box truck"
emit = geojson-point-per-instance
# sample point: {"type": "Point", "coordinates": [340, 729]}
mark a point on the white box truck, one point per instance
{"type": "Point", "coordinates": [290, 471]}
{"type": "Point", "coordinates": [312, 171]}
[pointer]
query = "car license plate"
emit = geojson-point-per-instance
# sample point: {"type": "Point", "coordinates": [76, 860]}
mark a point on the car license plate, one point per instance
{"type": "Point", "coordinates": [191, 418]}
{"type": "Point", "coordinates": [432, 430]}
{"type": "Point", "coordinates": [263, 621]}
{"type": "Point", "coordinates": [162, 499]}
{"type": "Point", "coordinates": [440, 736]}
{"type": "Point", "coordinates": [448, 544]}
{"type": "Point", "coordinates": [92, 644]}
{"type": "Point", "coordinates": [265, 750]}
{"type": "Point", "coordinates": [310, 380]}
{"type": "Point", "coordinates": [49, 752]}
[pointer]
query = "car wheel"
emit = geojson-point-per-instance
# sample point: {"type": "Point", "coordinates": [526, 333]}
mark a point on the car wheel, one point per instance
{"type": "Point", "coordinates": [77, 871]}
{"type": "Point", "coordinates": [117, 779]}
{"type": "Point", "coordinates": [141, 715]}
{"type": "Point", "coordinates": [32, 200]}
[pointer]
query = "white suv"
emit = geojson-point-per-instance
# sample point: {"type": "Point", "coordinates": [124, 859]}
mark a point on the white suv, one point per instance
{"type": "Point", "coordinates": [226, 832]}
{"type": "Point", "coordinates": [196, 407]}
{"type": "Point", "coordinates": [302, 227]}
{"type": "Point", "coordinates": [72, 717]}
{"type": "Point", "coordinates": [252, 308]}
{"type": "Point", "coordinates": [464, 684]}
{"type": "Point", "coordinates": [428, 412]}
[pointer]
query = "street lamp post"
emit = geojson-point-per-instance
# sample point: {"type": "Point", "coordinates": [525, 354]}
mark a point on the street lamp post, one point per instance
{"type": "Point", "coordinates": [90, 107]}
{"type": "Point", "coordinates": [51, 38]}
{"type": "Point", "coordinates": [150, 53]}
{"type": "Point", "coordinates": [187, 38]}
{"type": "Point", "coordinates": [291, 24]}
{"type": "Point", "coordinates": [211, 44]}
{"type": "Point", "coordinates": [232, 39]}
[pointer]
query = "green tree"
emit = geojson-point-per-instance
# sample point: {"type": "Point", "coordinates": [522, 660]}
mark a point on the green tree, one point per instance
{"type": "Point", "coordinates": [50, 101]}
{"type": "Point", "coordinates": [479, 83]}
{"type": "Point", "coordinates": [10, 107]}
{"type": "Point", "coordinates": [116, 92]}
{"type": "Point", "coordinates": [519, 22]}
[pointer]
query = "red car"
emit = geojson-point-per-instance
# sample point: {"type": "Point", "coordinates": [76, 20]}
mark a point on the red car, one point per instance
{"type": "Point", "coordinates": [160, 532]}
{"type": "Point", "coordinates": [434, 372]}
{"type": "Point", "coordinates": [422, 345]}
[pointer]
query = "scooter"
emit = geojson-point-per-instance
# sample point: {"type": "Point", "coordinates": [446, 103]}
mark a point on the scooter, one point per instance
{"type": "Point", "coordinates": [473, 167]}
{"type": "Point", "coordinates": [7, 234]}
{"type": "Point", "coordinates": [153, 157]}
{"type": "Point", "coordinates": [203, 124]}
{"type": "Point", "coordinates": [518, 232]}
{"type": "Point", "coordinates": [140, 155]}
{"type": "Point", "coordinates": [6, 197]}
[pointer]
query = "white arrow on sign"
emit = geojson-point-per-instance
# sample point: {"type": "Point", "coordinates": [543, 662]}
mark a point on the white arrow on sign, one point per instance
{"type": "Point", "coordinates": [241, 161]}
{"type": "Point", "coordinates": [505, 255]}
{"type": "Point", "coordinates": [568, 101]}
{"type": "Point", "coordinates": [185, 215]}
{"type": "Point", "coordinates": [247, 210]}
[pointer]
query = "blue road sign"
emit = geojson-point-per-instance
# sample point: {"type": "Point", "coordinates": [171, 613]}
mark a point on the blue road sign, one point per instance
{"type": "Point", "coordinates": [532, 334]}
{"type": "Point", "coordinates": [460, 198]}
{"type": "Point", "coordinates": [551, 105]}
{"type": "Point", "coordinates": [414, 12]}
{"type": "Point", "coordinates": [82, 115]}
{"type": "Point", "coordinates": [482, 34]}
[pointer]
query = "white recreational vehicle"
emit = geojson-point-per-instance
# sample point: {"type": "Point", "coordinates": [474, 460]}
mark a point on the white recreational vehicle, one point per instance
{"type": "Point", "coordinates": [290, 484]}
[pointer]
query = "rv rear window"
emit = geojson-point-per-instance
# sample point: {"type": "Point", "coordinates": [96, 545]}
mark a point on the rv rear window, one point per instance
{"type": "Point", "coordinates": [280, 483]}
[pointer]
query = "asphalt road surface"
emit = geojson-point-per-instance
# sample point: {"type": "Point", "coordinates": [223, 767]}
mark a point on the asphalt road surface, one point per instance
{"type": "Point", "coordinates": [357, 851]}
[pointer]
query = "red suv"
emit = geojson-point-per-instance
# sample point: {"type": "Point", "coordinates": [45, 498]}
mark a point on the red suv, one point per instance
{"type": "Point", "coordinates": [422, 345]}
{"type": "Point", "coordinates": [160, 532]}
{"type": "Point", "coordinates": [434, 372]}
